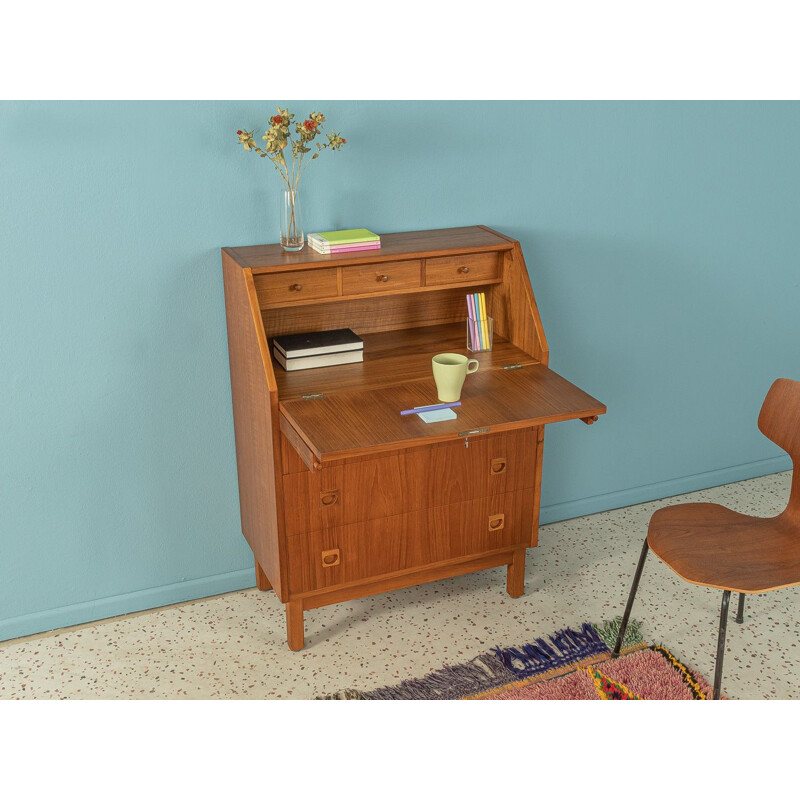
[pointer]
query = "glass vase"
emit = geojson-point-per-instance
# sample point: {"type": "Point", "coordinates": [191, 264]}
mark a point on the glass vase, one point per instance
{"type": "Point", "coordinates": [292, 237]}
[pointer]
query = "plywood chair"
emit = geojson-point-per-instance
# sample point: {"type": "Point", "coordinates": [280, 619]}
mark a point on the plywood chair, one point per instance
{"type": "Point", "coordinates": [710, 545]}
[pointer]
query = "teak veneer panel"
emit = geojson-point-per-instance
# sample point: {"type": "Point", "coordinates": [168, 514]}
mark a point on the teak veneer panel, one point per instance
{"type": "Point", "coordinates": [347, 423]}
{"type": "Point", "coordinates": [256, 426]}
{"type": "Point", "coordinates": [415, 539]}
{"type": "Point", "coordinates": [417, 244]}
{"type": "Point", "coordinates": [410, 480]}
{"type": "Point", "coordinates": [394, 357]}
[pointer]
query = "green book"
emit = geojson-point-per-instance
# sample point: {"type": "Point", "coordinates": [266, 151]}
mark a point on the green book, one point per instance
{"type": "Point", "coordinates": [347, 237]}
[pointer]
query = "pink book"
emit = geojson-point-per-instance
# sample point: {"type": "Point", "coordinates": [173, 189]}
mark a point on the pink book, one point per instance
{"type": "Point", "coordinates": [348, 248]}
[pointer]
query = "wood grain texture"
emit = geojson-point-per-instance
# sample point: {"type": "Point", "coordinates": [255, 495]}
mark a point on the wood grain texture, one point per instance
{"type": "Point", "coordinates": [385, 276]}
{"type": "Point", "coordinates": [409, 480]}
{"type": "Point", "coordinates": [281, 288]}
{"type": "Point", "coordinates": [711, 545]}
{"type": "Point", "coordinates": [416, 539]}
{"type": "Point", "coordinates": [420, 308]}
{"type": "Point", "coordinates": [351, 423]}
{"type": "Point", "coordinates": [412, 244]}
{"type": "Point", "coordinates": [395, 357]}
{"type": "Point", "coordinates": [403, 578]}
{"type": "Point", "coordinates": [513, 308]}
{"type": "Point", "coordinates": [463, 268]}
{"type": "Point", "coordinates": [256, 421]}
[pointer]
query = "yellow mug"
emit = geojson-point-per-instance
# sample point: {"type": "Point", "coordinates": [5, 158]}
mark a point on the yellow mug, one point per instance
{"type": "Point", "coordinates": [449, 372]}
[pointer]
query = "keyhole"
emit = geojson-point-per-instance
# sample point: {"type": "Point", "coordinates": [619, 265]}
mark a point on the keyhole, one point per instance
{"type": "Point", "coordinates": [466, 443]}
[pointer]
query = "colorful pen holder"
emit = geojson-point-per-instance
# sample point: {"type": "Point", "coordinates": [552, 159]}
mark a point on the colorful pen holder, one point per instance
{"type": "Point", "coordinates": [479, 334]}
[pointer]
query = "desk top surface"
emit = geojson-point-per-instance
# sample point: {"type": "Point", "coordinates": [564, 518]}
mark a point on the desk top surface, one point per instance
{"type": "Point", "coordinates": [444, 241]}
{"type": "Point", "coordinates": [360, 422]}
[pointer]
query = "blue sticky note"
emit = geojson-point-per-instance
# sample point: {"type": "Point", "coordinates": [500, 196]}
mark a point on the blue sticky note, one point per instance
{"type": "Point", "coordinates": [437, 416]}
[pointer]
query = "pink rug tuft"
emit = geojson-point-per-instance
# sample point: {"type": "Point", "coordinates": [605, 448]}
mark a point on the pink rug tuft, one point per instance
{"type": "Point", "coordinates": [568, 665]}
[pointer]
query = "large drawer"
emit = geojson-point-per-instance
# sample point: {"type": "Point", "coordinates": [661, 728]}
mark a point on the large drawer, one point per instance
{"type": "Point", "coordinates": [380, 547]}
{"type": "Point", "coordinates": [409, 480]}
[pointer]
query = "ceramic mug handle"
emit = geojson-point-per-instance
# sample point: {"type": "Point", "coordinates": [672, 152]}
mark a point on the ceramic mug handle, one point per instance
{"type": "Point", "coordinates": [470, 363]}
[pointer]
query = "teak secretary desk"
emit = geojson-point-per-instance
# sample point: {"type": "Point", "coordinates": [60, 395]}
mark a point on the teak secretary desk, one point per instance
{"type": "Point", "coordinates": [340, 495]}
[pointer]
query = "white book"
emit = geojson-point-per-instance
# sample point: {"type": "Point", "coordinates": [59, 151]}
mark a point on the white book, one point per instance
{"type": "Point", "coordinates": [325, 360]}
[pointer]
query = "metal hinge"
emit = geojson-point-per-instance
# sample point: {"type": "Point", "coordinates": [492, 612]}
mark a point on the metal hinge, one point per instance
{"type": "Point", "coordinates": [512, 366]}
{"type": "Point", "coordinates": [314, 396]}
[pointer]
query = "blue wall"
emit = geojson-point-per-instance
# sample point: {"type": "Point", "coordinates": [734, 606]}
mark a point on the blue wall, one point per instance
{"type": "Point", "coordinates": [661, 240]}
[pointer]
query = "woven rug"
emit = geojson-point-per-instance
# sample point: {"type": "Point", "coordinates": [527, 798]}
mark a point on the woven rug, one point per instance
{"type": "Point", "coordinates": [568, 665]}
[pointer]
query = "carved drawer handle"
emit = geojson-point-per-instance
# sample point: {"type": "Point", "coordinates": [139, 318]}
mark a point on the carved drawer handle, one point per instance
{"type": "Point", "coordinates": [329, 498]}
{"type": "Point", "coordinates": [383, 278]}
{"type": "Point", "coordinates": [497, 466]}
{"type": "Point", "coordinates": [330, 558]}
{"type": "Point", "coordinates": [497, 522]}
{"type": "Point", "coordinates": [295, 287]}
{"type": "Point", "coordinates": [464, 270]}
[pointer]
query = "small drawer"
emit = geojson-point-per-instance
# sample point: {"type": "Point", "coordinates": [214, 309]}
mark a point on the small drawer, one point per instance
{"type": "Point", "coordinates": [456, 269]}
{"type": "Point", "coordinates": [385, 277]}
{"type": "Point", "coordinates": [281, 288]}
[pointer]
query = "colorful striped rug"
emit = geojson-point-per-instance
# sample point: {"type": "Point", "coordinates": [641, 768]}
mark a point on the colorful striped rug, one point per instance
{"type": "Point", "coordinates": [568, 665]}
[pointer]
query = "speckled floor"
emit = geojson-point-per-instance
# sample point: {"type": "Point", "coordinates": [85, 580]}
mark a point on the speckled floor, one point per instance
{"type": "Point", "coordinates": [233, 646]}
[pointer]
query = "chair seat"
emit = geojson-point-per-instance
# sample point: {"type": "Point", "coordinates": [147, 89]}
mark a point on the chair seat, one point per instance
{"type": "Point", "coordinates": [710, 545]}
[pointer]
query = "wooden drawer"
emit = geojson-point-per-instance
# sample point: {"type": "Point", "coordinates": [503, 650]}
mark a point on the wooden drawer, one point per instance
{"type": "Point", "coordinates": [280, 288]}
{"type": "Point", "coordinates": [385, 277]}
{"type": "Point", "coordinates": [470, 267]}
{"type": "Point", "coordinates": [381, 547]}
{"type": "Point", "coordinates": [410, 480]}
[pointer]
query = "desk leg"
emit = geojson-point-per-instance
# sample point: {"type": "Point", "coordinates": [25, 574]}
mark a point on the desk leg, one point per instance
{"type": "Point", "coordinates": [262, 582]}
{"type": "Point", "coordinates": [295, 632]}
{"type": "Point", "coordinates": [515, 576]}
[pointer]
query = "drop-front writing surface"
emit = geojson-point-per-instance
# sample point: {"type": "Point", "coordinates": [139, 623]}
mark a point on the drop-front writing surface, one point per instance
{"type": "Point", "coordinates": [342, 497]}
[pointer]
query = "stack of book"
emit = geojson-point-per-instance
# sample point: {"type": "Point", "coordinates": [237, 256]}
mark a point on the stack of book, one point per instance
{"type": "Point", "coordinates": [330, 242]}
{"type": "Point", "coordinates": [318, 349]}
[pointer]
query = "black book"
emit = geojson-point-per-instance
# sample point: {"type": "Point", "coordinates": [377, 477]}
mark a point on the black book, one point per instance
{"type": "Point", "coordinates": [295, 345]}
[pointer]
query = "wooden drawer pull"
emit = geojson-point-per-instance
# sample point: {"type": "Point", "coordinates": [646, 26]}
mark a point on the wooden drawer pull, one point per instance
{"type": "Point", "coordinates": [329, 498]}
{"type": "Point", "coordinates": [497, 466]}
{"type": "Point", "coordinates": [295, 287]}
{"type": "Point", "coordinates": [464, 270]}
{"type": "Point", "coordinates": [330, 558]}
{"type": "Point", "coordinates": [383, 278]}
{"type": "Point", "coordinates": [497, 522]}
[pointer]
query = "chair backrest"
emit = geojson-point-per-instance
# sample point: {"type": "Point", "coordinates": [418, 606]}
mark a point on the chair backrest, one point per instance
{"type": "Point", "coordinates": [779, 419]}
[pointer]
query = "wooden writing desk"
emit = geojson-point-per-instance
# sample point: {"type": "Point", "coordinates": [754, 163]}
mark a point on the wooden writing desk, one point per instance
{"type": "Point", "coordinates": [342, 497]}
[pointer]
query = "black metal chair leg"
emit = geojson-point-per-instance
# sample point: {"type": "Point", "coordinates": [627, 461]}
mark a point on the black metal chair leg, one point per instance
{"type": "Point", "coordinates": [723, 626]}
{"type": "Point", "coordinates": [740, 611]}
{"type": "Point", "coordinates": [634, 587]}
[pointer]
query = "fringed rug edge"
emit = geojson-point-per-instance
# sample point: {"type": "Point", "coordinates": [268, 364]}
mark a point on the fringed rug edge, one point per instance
{"type": "Point", "coordinates": [503, 668]}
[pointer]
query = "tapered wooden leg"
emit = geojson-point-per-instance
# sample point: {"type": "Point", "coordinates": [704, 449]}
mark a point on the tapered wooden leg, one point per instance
{"type": "Point", "coordinates": [295, 632]}
{"type": "Point", "coordinates": [262, 582]}
{"type": "Point", "coordinates": [515, 576]}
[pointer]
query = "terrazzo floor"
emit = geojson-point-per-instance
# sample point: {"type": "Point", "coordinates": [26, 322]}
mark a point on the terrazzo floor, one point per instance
{"type": "Point", "coordinates": [233, 646]}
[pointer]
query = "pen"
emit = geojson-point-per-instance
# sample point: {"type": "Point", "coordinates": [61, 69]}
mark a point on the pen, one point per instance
{"type": "Point", "coordinates": [421, 409]}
